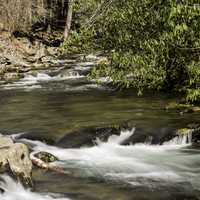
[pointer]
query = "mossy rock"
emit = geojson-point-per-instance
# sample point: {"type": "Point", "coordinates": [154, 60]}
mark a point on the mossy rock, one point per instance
{"type": "Point", "coordinates": [184, 131]}
{"type": "Point", "coordinates": [46, 157]}
{"type": "Point", "coordinates": [195, 134]}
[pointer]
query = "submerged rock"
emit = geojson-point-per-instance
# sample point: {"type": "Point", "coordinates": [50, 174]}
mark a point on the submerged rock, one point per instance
{"type": "Point", "coordinates": [86, 136]}
{"type": "Point", "coordinates": [14, 159]}
{"type": "Point", "coordinates": [35, 137]}
{"type": "Point", "coordinates": [155, 137]}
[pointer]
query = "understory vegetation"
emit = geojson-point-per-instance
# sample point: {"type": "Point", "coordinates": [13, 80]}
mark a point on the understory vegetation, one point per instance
{"type": "Point", "coordinates": [151, 44]}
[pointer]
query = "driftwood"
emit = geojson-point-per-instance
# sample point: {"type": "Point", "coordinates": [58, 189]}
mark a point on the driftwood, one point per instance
{"type": "Point", "coordinates": [14, 159]}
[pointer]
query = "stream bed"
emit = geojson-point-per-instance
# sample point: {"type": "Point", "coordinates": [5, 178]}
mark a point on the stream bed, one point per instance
{"type": "Point", "coordinates": [52, 104]}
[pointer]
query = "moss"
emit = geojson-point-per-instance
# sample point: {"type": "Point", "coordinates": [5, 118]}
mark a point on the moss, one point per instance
{"type": "Point", "coordinates": [184, 131]}
{"type": "Point", "coordinates": [46, 157]}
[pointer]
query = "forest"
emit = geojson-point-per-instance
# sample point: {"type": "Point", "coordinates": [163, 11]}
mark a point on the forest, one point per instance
{"type": "Point", "coordinates": [150, 44]}
{"type": "Point", "coordinates": [99, 99]}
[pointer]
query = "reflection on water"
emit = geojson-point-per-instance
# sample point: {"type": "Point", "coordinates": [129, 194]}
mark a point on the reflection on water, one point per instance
{"type": "Point", "coordinates": [58, 112]}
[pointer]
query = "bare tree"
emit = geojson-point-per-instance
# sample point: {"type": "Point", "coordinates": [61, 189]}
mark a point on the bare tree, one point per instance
{"type": "Point", "coordinates": [68, 19]}
{"type": "Point", "coordinates": [21, 15]}
{"type": "Point", "coordinates": [15, 14]}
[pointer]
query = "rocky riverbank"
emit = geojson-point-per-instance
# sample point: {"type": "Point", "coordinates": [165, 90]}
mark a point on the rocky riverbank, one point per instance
{"type": "Point", "coordinates": [21, 53]}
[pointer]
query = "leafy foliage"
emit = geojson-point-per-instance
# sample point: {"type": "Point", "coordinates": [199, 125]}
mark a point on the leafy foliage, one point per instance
{"type": "Point", "coordinates": [153, 44]}
{"type": "Point", "coordinates": [79, 42]}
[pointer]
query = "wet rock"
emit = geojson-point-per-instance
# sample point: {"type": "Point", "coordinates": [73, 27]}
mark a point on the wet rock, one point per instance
{"type": "Point", "coordinates": [196, 136]}
{"type": "Point", "coordinates": [46, 157]}
{"type": "Point", "coordinates": [2, 190]}
{"type": "Point", "coordinates": [45, 138]}
{"type": "Point", "coordinates": [184, 131]}
{"type": "Point", "coordinates": [12, 76]}
{"type": "Point", "coordinates": [155, 137]}
{"type": "Point", "coordinates": [86, 136]}
{"type": "Point", "coordinates": [194, 130]}
{"type": "Point", "coordinates": [14, 158]}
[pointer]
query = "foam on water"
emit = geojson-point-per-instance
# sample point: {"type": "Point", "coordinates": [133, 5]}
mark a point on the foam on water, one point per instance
{"type": "Point", "coordinates": [33, 82]}
{"type": "Point", "coordinates": [140, 163]}
{"type": "Point", "coordinates": [15, 191]}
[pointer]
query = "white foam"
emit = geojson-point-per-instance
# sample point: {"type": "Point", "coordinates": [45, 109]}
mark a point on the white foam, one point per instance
{"type": "Point", "coordinates": [135, 164]}
{"type": "Point", "coordinates": [31, 82]}
{"type": "Point", "coordinates": [181, 139]}
{"type": "Point", "coordinates": [70, 74]}
{"type": "Point", "coordinates": [15, 191]}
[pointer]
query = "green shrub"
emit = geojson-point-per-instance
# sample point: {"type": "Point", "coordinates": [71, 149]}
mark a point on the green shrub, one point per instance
{"type": "Point", "coordinates": [152, 44]}
{"type": "Point", "coordinates": [81, 42]}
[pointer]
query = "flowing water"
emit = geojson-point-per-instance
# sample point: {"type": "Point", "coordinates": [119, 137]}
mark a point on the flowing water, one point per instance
{"type": "Point", "coordinates": [51, 104]}
{"type": "Point", "coordinates": [15, 191]}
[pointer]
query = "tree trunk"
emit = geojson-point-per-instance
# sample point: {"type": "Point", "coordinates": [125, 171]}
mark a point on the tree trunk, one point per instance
{"type": "Point", "coordinates": [68, 19]}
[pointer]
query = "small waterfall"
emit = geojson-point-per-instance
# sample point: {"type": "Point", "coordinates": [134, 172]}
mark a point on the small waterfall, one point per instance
{"type": "Point", "coordinates": [181, 139]}
{"type": "Point", "coordinates": [115, 139]}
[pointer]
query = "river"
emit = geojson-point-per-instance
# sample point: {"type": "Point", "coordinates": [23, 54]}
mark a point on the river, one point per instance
{"type": "Point", "coordinates": [52, 104]}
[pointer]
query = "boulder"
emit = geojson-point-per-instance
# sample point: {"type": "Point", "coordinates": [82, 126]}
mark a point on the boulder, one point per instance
{"type": "Point", "coordinates": [86, 136]}
{"type": "Point", "coordinates": [155, 137]}
{"type": "Point", "coordinates": [46, 157]}
{"type": "Point", "coordinates": [43, 137]}
{"type": "Point", "coordinates": [14, 159]}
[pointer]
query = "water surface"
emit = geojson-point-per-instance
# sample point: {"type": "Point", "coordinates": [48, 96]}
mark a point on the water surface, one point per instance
{"type": "Point", "coordinates": [53, 106]}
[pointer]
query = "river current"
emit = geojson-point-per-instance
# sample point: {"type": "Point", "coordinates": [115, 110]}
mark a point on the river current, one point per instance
{"type": "Point", "coordinates": [50, 105]}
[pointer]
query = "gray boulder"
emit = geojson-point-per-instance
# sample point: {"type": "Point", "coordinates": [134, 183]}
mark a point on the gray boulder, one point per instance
{"type": "Point", "coordinates": [14, 159]}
